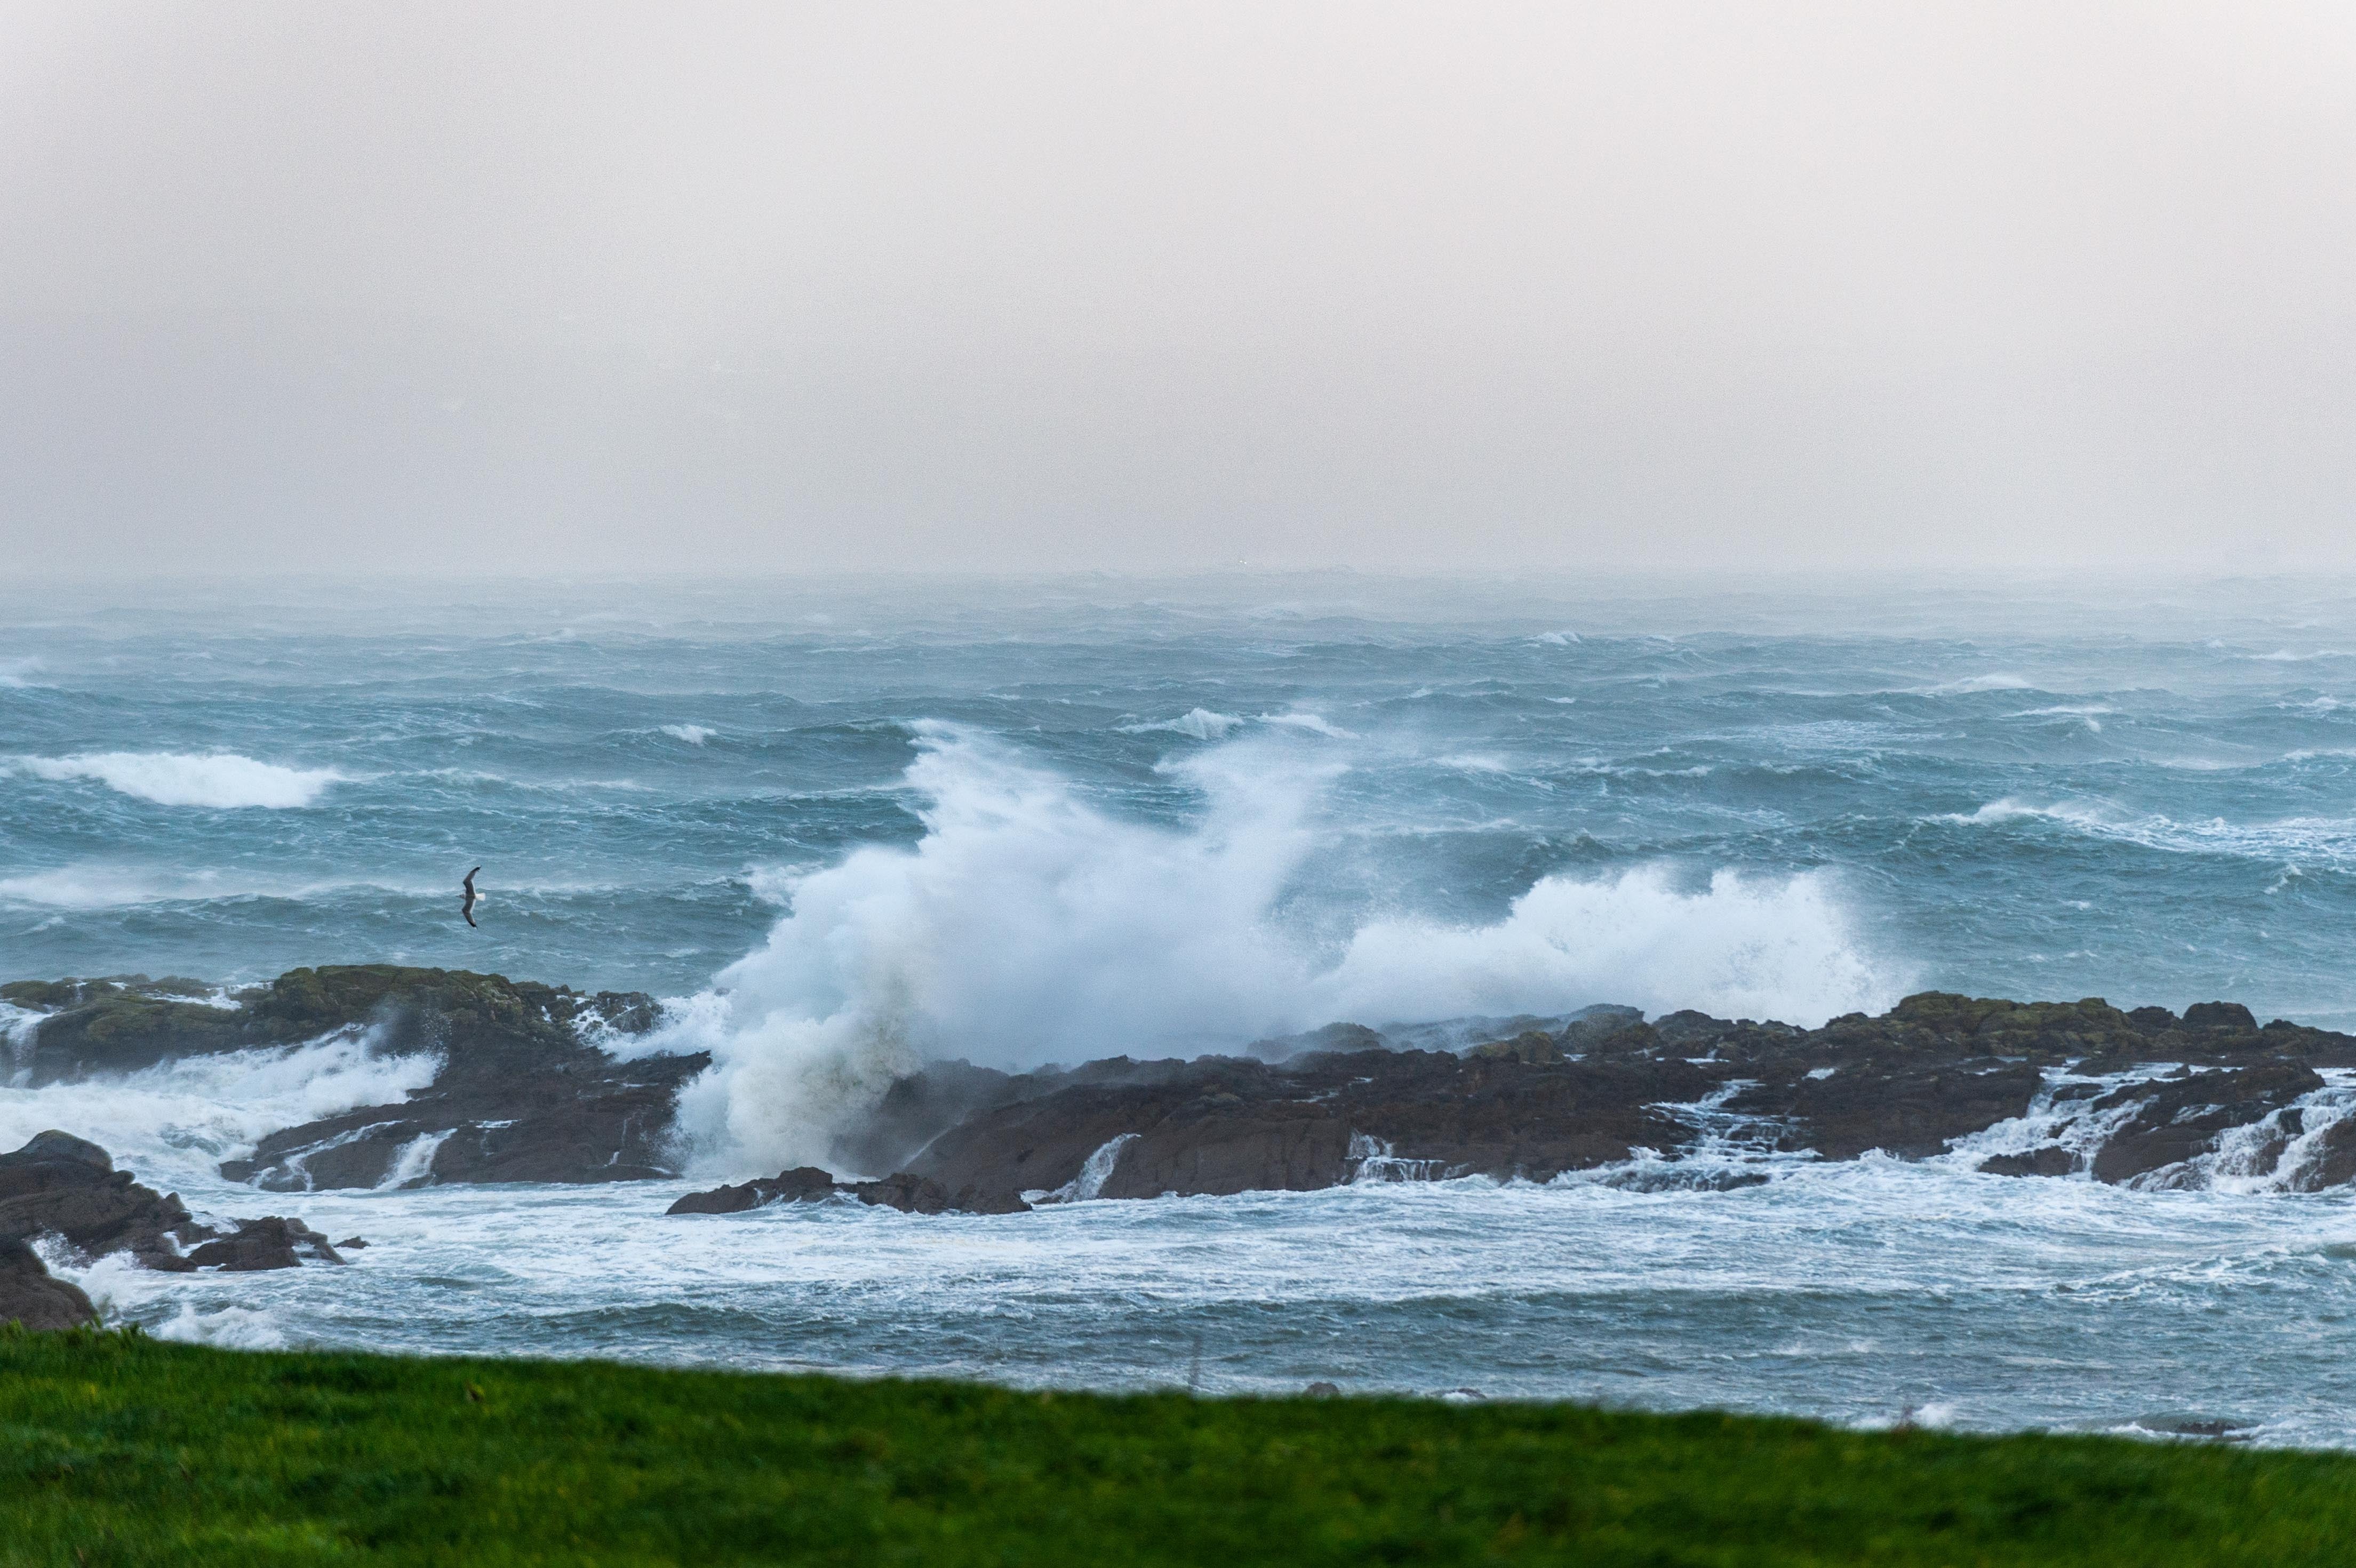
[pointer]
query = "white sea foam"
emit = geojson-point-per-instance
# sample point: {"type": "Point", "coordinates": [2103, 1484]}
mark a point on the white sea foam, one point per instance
{"type": "Point", "coordinates": [230, 1327]}
{"type": "Point", "coordinates": [221, 780]}
{"type": "Point", "coordinates": [1315, 723]}
{"type": "Point", "coordinates": [693, 734]}
{"type": "Point", "coordinates": [1028, 926]}
{"type": "Point", "coordinates": [16, 674]}
{"type": "Point", "coordinates": [1995, 682]}
{"type": "Point", "coordinates": [1199, 722]}
{"type": "Point", "coordinates": [2326, 838]}
{"type": "Point", "coordinates": [176, 1121]}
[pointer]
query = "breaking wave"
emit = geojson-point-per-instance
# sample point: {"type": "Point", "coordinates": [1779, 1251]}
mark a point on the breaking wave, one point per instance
{"type": "Point", "coordinates": [221, 780]}
{"type": "Point", "coordinates": [1027, 926]}
{"type": "Point", "coordinates": [173, 1122]}
{"type": "Point", "coordinates": [1200, 723]}
{"type": "Point", "coordinates": [2331, 840]}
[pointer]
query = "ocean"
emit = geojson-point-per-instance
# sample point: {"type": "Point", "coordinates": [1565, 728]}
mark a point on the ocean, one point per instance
{"type": "Point", "coordinates": [854, 825]}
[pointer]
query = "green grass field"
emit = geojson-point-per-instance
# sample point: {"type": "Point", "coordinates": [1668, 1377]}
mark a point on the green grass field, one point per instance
{"type": "Point", "coordinates": [119, 1449]}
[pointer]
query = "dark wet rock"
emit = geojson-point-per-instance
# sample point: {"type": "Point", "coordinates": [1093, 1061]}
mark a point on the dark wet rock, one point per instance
{"type": "Point", "coordinates": [923, 1195]}
{"type": "Point", "coordinates": [2051, 1159]}
{"type": "Point", "coordinates": [2331, 1162]}
{"type": "Point", "coordinates": [2219, 1015]}
{"type": "Point", "coordinates": [351, 1244]}
{"type": "Point", "coordinates": [267, 1243]}
{"type": "Point", "coordinates": [609, 1121]}
{"type": "Point", "coordinates": [57, 1185]}
{"type": "Point", "coordinates": [521, 1094]}
{"type": "Point", "coordinates": [1595, 1025]}
{"type": "Point", "coordinates": [122, 1025]}
{"type": "Point", "coordinates": [29, 1295]}
{"type": "Point", "coordinates": [909, 1194]}
{"type": "Point", "coordinates": [1530, 1046]}
{"type": "Point", "coordinates": [1690, 1032]}
{"type": "Point", "coordinates": [1890, 1102]}
{"type": "Point", "coordinates": [801, 1183]}
{"type": "Point", "coordinates": [2177, 1119]}
{"type": "Point", "coordinates": [1321, 1390]}
{"type": "Point", "coordinates": [1911, 1082]}
{"type": "Point", "coordinates": [1333, 1037]}
{"type": "Point", "coordinates": [66, 1187]}
{"type": "Point", "coordinates": [1684, 1176]}
{"type": "Point", "coordinates": [1223, 1124]}
{"type": "Point", "coordinates": [919, 1108]}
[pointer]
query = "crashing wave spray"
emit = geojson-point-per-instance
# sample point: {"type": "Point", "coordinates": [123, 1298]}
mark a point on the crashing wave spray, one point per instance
{"type": "Point", "coordinates": [1027, 926]}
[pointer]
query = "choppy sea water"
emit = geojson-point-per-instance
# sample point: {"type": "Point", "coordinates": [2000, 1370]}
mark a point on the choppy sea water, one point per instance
{"type": "Point", "coordinates": [1051, 821]}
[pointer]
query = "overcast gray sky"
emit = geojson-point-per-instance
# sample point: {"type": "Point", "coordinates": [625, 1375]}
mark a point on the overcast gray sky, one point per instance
{"type": "Point", "coordinates": [768, 287]}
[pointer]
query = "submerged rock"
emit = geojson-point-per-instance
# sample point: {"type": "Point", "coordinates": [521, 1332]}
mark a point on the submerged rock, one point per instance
{"type": "Point", "coordinates": [802, 1183]}
{"type": "Point", "coordinates": [2051, 1159]}
{"type": "Point", "coordinates": [909, 1194]}
{"type": "Point", "coordinates": [265, 1244]}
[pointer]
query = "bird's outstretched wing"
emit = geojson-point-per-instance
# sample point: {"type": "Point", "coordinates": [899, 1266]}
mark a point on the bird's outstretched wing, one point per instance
{"type": "Point", "coordinates": [466, 903]}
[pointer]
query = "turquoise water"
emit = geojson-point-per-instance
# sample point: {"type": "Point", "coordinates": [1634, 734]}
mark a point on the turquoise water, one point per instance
{"type": "Point", "coordinates": [2149, 798]}
{"type": "Point", "coordinates": [849, 826]}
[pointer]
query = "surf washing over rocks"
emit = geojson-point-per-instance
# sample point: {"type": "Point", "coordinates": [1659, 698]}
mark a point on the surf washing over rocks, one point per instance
{"type": "Point", "coordinates": [863, 892]}
{"type": "Point", "coordinates": [1027, 927]}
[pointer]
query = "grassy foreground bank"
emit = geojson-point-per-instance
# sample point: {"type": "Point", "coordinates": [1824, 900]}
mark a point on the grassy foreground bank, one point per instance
{"type": "Point", "coordinates": [117, 1449]}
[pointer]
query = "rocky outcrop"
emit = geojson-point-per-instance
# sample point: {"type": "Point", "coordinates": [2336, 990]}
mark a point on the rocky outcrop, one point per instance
{"type": "Point", "coordinates": [29, 1295]}
{"type": "Point", "coordinates": [522, 1092]}
{"type": "Point", "coordinates": [2174, 1121]}
{"type": "Point", "coordinates": [2148, 1097]}
{"type": "Point", "coordinates": [263, 1244]}
{"type": "Point", "coordinates": [61, 1186]}
{"type": "Point", "coordinates": [125, 1024]}
{"type": "Point", "coordinates": [2047, 1159]}
{"type": "Point", "coordinates": [909, 1194]}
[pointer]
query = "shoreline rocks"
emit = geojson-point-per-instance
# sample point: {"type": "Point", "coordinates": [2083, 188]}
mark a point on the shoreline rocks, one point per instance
{"type": "Point", "coordinates": [521, 1093]}
{"type": "Point", "coordinates": [2149, 1098]}
{"type": "Point", "coordinates": [68, 1188]}
{"type": "Point", "coordinates": [523, 1090]}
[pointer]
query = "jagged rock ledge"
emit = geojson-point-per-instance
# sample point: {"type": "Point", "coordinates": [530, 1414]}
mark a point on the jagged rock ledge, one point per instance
{"type": "Point", "coordinates": [58, 1186]}
{"type": "Point", "coordinates": [2148, 1098]}
{"type": "Point", "coordinates": [521, 1092]}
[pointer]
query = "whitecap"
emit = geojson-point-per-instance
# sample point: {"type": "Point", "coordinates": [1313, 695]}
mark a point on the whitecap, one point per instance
{"type": "Point", "coordinates": [693, 734]}
{"type": "Point", "coordinates": [1995, 682]}
{"type": "Point", "coordinates": [2324, 839]}
{"type": "Point", "coordinates": [220, 780]}
{"type": "Point", "coordinates": [1200, 723]}
{"type": "Point", "coordinates": [1315, 723]}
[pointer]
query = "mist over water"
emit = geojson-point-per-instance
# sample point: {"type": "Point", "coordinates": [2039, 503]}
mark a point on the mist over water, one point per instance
{"type": "Point", "coordinates": [850, 827]}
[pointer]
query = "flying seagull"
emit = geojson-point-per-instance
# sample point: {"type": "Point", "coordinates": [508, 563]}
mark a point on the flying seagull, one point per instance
{"type": "Point", "coordinates": [466, 904]}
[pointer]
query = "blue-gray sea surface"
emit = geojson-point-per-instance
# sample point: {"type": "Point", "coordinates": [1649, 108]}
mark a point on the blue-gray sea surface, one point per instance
{"type": "Point", "coordinates": [848, 826]}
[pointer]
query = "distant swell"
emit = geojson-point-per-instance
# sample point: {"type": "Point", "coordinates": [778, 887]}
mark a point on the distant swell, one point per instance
{"type": "Point", "coordinates": [1027, 926]}
{"type": "Point", "coordinates": [221, 780]}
